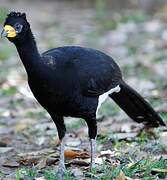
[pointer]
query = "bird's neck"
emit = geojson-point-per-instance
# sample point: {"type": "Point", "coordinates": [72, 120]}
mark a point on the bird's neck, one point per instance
{"type": "Point", "coordinates": [28, 53]}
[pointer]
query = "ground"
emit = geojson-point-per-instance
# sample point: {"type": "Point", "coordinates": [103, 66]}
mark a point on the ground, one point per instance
{"type": "Point", "coordinates": [125, 149]}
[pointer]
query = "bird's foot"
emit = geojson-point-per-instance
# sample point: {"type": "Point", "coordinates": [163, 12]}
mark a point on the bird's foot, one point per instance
{"type": "Point", "coordinates": [61, 171]}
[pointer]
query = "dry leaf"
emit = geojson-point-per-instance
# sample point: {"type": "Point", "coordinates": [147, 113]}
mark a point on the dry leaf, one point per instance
{"type": "Point", "coordinates": [51, 161]}
{"type": "Point", "coordinates": [79, 163]}
{"type": "Point", "coordinates": [121, 176]}
{"type": "Point", "coordinates": [159, 170]}
{"type": "Point", "coordinates": [55, 155]}
{"type": "Point", "coordinates": [74, 154]}
{"type": "Point", "coordinates": [42, 163]}
{"type": "Point", "coordinates": [107, 152]}
{"type": "Point", "coordinates": [20, 127]}
{"type": "Point", "coordinates": [5, 149]}
{"type": "Point", "coordinates": [30, 160]}
{"type": "Point", "coordinates": [37, 153]}
{"type": "Point", "coordinates": [70, 154]}
{"type": "Point", "coordinates": [11, 164]}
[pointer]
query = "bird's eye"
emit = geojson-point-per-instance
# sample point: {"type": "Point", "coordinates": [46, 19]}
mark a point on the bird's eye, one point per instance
{"type": "Point", "coordinates": [18, 27]}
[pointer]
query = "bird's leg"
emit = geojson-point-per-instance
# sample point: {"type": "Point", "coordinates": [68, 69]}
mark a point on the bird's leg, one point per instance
{"type": "Point", "coordinates": [61, 168]}
{"type": "Point", "coordinates": [59, 121]}
{"type": "Point", "coordinates": [93, 152]}
{"type": "Point", "coordinates": [92, 131]}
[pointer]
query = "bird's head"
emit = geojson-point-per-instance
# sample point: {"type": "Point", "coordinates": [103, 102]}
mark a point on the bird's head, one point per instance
{"type": "Point", "coordinates": [15, 27]}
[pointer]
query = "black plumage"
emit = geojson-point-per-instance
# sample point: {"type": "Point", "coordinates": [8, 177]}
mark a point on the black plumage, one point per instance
{"type": "Point", "coordinates": [67, 81]}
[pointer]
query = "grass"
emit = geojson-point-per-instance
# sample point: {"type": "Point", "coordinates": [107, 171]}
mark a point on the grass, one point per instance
{"type": "Point", "coordinates": [2, 175]}
{"type": "Point", "coordinates": [142, 138]}
{"type": "Point", "coordinates": [101, 139]}
{"type": "Point", "coordinates": [49, 175]}
{"type": "Point", "coordinates": [32, 173]}
{"type": "Point", "coordinates": [164, 116]}
{"type": "Point", "coordinates": [120, 144]}
{"type": "Point", "coordinates": [144, 168]}
{"type": "Point", "coordinates": [26, 172]}
{"type": "Point", "coordinates": [9, 91]}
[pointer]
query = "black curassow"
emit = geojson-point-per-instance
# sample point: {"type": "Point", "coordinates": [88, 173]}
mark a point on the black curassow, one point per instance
{"type": "Point", "coordinates": [74, 81]}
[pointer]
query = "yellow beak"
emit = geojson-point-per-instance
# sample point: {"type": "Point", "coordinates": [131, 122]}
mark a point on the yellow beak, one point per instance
{"type": "Point", "coordinates": [8, 31]}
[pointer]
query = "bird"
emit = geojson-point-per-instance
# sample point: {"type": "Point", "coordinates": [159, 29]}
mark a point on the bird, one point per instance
{"type": "Point", "coordinates": [73, 81]}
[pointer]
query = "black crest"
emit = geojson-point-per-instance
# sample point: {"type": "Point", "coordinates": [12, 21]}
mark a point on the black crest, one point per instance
{"type": "Point", "coordinates": [17, 14]}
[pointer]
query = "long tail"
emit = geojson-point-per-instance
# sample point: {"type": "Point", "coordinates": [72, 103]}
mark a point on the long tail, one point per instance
{"type": "Point", "coordinates": [136, 107]}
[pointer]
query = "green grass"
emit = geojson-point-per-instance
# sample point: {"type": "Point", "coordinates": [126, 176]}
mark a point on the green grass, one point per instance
{"type": "Point", "coordinates": [145, 167]}
{"type": "Point", "coordinates": [2, 175]}
{"type": "Point", "coordinates": [49, 175]}
{"type": "Point", "coordinates": [28, 173]}
{"type": "Point", "coordinates": [9, 91]}
{"type": "Point", "coordinates": [102, 138]}
{"type": "Point", "coordinates": [164, 116]}
{"type": "Point", "coordinates": [120, 144]}
{"type": "Point", "coordinates": [32, 173]}
{"type": "Point", "coordinates": [68, 175]}
{"type": "Point", "coordinates": [142, 138]}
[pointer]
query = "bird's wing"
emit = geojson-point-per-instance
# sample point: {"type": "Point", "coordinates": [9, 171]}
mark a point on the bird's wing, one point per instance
{"type": "Point", "coordinates": [97, 77]}
{"type": "Point", "coordinates": [95, 71]}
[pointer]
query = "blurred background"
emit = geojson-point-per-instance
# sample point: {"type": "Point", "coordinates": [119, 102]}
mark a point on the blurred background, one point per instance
{"type": "Point", "coordinates": [134, 33]}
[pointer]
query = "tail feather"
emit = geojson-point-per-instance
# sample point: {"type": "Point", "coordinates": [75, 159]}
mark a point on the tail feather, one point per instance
{"type": "Point", "coordinates": [136, 107]}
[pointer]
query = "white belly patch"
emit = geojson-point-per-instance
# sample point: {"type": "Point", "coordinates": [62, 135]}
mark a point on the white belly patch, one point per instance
{"type": "Point", "coordinates": [104, 96]}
